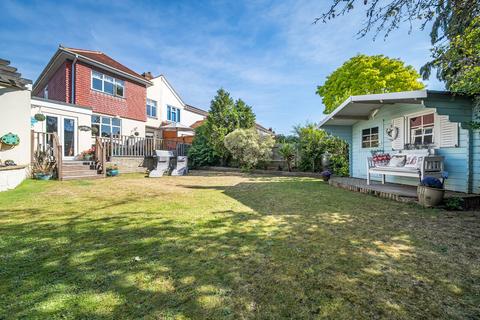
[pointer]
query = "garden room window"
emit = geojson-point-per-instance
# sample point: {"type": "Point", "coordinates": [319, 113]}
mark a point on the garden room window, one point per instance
{"type": "Point", "coordinates": [108, 84]}
{"type": "Point", "coordinates": [422, 129]}
{"type": "Point", "coordinates": [370, 137]}
{"type": "Point", "coordinates": [106, 126]}
{"type": "Point", "coordinates": [151, 108]}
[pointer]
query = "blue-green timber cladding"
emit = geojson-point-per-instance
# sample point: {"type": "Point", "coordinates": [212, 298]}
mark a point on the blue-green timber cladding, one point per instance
{"type": "Point", "coordinates": [462, 162]}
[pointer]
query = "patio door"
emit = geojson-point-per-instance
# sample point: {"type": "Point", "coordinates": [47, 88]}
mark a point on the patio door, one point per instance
{"type": "Point", "coordinates": [66, 129]}
{"type": "Point", "coordinates": [69, 138]}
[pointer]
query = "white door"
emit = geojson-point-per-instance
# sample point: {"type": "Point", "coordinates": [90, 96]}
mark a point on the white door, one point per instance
{"type": "Point", "coordinates": [66, 129]}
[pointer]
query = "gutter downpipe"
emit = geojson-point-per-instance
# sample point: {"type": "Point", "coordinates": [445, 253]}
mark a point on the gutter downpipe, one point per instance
{"type": "Point", "coordinates": [72, 94]}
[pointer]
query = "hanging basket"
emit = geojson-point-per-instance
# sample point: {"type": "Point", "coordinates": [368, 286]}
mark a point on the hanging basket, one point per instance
{"type": "Point", "coordinates": [39, 117]}
{"type": "Point", "coordinates": [10, 139]}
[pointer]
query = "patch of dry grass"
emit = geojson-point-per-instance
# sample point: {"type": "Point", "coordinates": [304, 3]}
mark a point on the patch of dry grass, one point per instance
{"type": "Point", "coordinates": [230, 246]}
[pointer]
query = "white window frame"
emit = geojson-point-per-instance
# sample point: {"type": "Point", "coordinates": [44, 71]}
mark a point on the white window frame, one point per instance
{"type": "Point", "coordinates": [152, 104]}
{"type": "Point", "coordinates": [436, 126]}
{"type": "Point", "coordinates": [370, 135]}
{"type": "Point", "coordinates": [100, 124]}
{"type": "Point", "coordinates": [105, 78]}
{"type": "Point", "coordinates": [173, 110]}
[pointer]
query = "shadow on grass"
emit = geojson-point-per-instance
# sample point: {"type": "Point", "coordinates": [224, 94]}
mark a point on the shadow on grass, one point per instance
{"type": "Point", "coordinates": [302, 250]}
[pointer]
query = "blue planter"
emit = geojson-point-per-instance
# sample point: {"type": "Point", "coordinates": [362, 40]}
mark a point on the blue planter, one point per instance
{"type": "Point", "coordinates": [42, 176]}
{"type": "Point", "coordinates": [112, 173]}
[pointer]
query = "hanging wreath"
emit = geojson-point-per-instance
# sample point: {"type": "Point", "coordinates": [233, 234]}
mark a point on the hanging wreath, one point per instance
{"type": "Point", "coordinates": [392, 132]}
{"type": "Point", "coordinates": [10, 139]}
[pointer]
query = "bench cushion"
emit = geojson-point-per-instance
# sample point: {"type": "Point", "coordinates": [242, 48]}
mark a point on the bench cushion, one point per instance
{"type": "Point", "coordinates": [396, 169]}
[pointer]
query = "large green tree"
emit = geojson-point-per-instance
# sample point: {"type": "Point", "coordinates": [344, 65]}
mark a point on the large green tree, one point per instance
{"type": "Point", "coordinates": [450, 20]}
{"type": "Point", "coordinates": [364, 74]}
{"type": "Point", "coordinates": [225, 115]}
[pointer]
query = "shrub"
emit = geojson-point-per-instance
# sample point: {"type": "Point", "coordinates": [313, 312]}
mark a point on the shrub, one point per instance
{"type": "Point", "coordinates": [248, 147]}
{"type": "Point", "coordinates": [201, 153]}
{"type": "Point", "coordinates": [287, 151]}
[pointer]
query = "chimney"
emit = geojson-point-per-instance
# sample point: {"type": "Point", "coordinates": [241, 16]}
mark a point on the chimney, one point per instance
{"type": "Point", "coordinates": [147, 75]}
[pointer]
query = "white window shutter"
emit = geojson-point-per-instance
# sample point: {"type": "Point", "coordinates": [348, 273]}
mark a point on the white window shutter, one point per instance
{"type": "Point", "coordinates": [448, 132]}
{"type": "Point", "coordinates": [399, 142]}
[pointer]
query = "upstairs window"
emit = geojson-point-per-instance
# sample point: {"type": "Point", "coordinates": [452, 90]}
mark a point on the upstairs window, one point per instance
{"type": "Point", "coordinates": [173, 114]}
{"type": "Point", "coordinates": [421, 129]}
{"type": "Point", "coordinates": [151, 108]}
{"type": "Point", "coordinates": [107, 84]}
{"type": "Point", "coordinates": [370, 138]}
{"type": "Point", "coordinates": [106, 126]}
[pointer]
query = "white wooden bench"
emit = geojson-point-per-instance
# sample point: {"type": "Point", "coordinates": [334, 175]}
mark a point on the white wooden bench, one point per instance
{"type": "Point", "coordinates": [427, 165]}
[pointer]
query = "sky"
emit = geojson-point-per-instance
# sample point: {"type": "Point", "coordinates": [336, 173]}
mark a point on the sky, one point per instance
{"type": "Point", "coordinates": [267, 53]}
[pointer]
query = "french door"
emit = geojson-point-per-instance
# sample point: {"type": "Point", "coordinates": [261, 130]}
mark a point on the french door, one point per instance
{"type": "Point", "coordinates": [66, 129]}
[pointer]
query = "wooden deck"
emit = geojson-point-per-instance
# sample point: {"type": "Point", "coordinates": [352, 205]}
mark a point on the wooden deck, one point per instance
{"type": "Point", "coordinates": [397, 192]}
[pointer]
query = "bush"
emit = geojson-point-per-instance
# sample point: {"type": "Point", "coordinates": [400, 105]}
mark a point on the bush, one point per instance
{"type": "Point", "coordinates": [314, 143]}
{"type": "Point", "coordinates": [287, 151]}
{"type": "Point", "coordinates": [248, 147]}
{"type": "Point", "coordinates": [201, 153]}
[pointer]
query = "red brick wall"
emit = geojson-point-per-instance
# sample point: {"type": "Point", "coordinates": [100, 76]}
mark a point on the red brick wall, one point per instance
{"type": "Point", "coordinates": [59, 84]}
{"type": "Point", "coordinates": [132, 106]}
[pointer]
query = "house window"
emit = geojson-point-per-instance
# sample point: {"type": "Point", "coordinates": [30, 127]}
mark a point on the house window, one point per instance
{"type": "Point", "coordinates": [370, 137]}
{"type": "Point", "coordinates": [151, 108]}
{"type": "Point", "coordinates": [421, 129]}
{"type": "Point", "coordinates": [106, 126]}
{"type": "Point", "coordinates": [173, 114]}
{"type": "Point", "coordinates": [107, 84]}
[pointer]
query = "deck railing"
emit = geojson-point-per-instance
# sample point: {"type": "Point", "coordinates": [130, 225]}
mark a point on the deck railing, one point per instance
{"type": "Point", "coordinates": [128, 146]}
{"type": "Point", "coordinates": [49, 143]}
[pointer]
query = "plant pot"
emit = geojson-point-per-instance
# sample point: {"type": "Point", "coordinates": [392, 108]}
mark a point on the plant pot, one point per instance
{"type": "Point", "coordinates": [430, 197]}
{"type": "Point", "coordinates": [112, 172]}
{"type": "Point", "coordinates": [42, 176]}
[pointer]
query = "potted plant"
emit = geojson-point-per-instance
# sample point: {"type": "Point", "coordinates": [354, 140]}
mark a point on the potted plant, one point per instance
{"type": "Point", "coordinates": [43, 165]}
{"type": "Point", "coordinates": [88, 155]}
{"type": "Point", "coordinates": [326, 175]}
{"type": "Point", "coordinates": [112, 170]}
{"type": "Point", "coordinates": [431, 191]}
{"type": "Point", "coordinates": [39, 117]}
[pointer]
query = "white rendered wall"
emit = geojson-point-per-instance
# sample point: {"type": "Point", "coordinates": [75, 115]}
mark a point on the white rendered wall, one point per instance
{"type": "Point", "coordinates": [15, 118]}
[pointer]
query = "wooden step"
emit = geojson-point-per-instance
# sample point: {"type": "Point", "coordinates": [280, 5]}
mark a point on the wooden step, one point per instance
{"type": "Point", "coordinates": [83, 177]}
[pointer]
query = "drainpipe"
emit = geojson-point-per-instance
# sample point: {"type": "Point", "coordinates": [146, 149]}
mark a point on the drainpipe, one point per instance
{"type": "Point", "coordinates": [72, 83]}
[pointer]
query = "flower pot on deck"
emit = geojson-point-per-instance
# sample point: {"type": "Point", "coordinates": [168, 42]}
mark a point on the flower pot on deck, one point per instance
{"type": "Point", "coordinates": [430, 197]}
{"type": "Point", "coordinates": [112, 172]}
{"type": "Point", "coordinates": [42, 176]}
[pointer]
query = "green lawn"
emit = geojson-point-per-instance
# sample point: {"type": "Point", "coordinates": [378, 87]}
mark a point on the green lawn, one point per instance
{"type": "Point", "coordinates": [230, 247]}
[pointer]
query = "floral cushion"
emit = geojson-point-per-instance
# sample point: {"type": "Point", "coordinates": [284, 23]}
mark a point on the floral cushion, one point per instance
{"type": "Point", "coordinates": [397, 161]}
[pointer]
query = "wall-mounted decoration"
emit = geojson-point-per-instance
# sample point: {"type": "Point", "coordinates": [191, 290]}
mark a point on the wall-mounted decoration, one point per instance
{"type": "Point", "coordinates": [84, 128]}
{"type": "Point", "coordinates": [392, 132]}
{"type": "Point", "coordinates": [10, 139]}
{"type": "Point", "coordinates": [39, 117]}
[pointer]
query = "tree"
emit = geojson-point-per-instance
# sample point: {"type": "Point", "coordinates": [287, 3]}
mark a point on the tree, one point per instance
{"type": "Point", "coordinates": [314, 143]}
{"type": "Point", "coordinates": [451, 19]}
{"type": "Point", "coordinates": [201, 153]}
{"type": "Point", "coordinates": [458, 61]}
{"type": "Point", "coordinates": [224, 117]}
{"type": "Point", "coordinates": [364, 74]}
{"type": "Point", "coordinates": [248, 147]}
{"type": "Point", "coordinates": [287, 151]}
